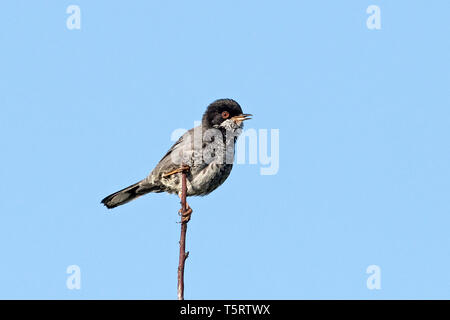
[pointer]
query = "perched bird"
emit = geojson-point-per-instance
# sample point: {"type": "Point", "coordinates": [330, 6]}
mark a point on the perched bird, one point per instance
{"type": "Point", "coordinates": [205, 153]}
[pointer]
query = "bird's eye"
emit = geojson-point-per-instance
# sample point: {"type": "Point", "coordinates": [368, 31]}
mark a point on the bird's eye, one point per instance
{"type": "Point", "coordinates": [225, 114]}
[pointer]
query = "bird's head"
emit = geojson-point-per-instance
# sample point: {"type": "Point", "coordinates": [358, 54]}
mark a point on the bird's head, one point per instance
{"type": "Point", "coordinates": [224, 113]}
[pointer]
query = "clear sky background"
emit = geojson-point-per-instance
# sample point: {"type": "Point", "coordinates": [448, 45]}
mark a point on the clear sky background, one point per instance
{"type": "Point", "coordinates": [364, 120]}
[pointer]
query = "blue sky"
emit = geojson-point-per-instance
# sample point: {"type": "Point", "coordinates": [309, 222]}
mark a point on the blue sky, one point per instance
{"type": "Point", "coordinates": [364, 122]}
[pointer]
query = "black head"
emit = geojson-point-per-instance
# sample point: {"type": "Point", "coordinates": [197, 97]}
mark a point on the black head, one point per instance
{"type": "Point", "coordinates": [221, 110]}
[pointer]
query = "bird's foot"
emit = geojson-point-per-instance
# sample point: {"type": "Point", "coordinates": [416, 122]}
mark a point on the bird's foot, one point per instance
{"type": "Point", "coordinates": [181, 169]}
{"type": "Point", "coordinates": [186, 216]}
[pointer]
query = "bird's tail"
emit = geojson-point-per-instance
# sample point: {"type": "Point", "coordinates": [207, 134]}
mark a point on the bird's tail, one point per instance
{"type": "Point", "coordinates": [126, 195]}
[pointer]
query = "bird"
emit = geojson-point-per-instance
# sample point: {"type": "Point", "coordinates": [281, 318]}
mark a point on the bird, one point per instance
{"type": "Point", "coordinates": [205, 153]}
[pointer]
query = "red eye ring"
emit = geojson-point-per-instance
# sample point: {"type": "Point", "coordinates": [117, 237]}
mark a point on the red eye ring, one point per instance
{"type": "Point", "coordinates": [225, 114]}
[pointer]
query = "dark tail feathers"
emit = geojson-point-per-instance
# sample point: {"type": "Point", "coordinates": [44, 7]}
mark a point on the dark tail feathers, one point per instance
{"type": "Point", "coordinates": [125, 195]}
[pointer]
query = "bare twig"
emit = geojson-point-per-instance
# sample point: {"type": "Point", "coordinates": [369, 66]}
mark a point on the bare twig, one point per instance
{"type": "Point", "coordinates": [183, 253]}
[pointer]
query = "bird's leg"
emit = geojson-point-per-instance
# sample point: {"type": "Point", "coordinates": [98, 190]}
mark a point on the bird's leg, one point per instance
{"type": "Point", "coordinates": [185, 216]}
{"type": "Point", "coordinates": [181, 169]}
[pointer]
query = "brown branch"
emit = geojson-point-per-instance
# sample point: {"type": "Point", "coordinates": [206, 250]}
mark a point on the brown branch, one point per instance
{"type": "Point", "coordinates": [183, 253]}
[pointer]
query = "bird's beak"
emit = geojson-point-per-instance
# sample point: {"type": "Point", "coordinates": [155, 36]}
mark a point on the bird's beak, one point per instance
{"type": "Point", "coordinates": [240, 118]}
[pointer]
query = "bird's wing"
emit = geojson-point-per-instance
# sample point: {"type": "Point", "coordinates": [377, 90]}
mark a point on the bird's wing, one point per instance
{"type": "Point", "coordinates": [181, 152]}
{"type": "Point", "coordinates": [180, 142]}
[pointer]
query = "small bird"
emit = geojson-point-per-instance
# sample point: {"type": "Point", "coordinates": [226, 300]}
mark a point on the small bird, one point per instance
{"type": "Point", "coordinates": [205, 153]}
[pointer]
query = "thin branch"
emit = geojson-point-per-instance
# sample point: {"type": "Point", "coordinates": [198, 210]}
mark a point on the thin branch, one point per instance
{"type": "Point", "coordinates": [183, 253]}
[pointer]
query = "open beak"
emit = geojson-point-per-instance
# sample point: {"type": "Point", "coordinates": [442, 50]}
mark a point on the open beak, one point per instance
{"type": "Point", "coordinates": [240, 118]}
